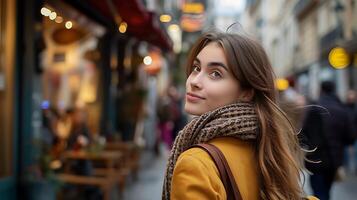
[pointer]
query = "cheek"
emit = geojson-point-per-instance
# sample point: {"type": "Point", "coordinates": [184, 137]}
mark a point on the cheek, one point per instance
{"type": "Point", "coordinates": [224, 93]}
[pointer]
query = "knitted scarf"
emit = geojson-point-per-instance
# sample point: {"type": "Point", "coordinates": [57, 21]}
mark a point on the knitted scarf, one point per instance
{"type": "Point", "coordinates": [237, 120]}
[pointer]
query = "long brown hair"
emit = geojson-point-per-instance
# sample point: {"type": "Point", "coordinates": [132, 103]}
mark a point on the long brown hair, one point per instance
{"type": "Point", "coordinates": [277, 147]}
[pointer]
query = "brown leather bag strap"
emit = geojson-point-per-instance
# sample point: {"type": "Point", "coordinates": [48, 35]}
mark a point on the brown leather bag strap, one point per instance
{"type": "Point", "coordinates": [224, 170]}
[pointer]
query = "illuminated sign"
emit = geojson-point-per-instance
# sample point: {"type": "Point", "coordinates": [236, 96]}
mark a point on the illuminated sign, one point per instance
{"type": "Point", "coordinates": [338, 58]}
{"type": "Point", "coordinates": [281, 84]}
{"type": "Point", "coordinates": [196, 8]}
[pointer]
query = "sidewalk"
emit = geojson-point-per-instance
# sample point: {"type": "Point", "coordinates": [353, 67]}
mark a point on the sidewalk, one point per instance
{"type": "Point", "coordinates": [346, 190]}
{"type": "Point", "coordinates": [150, 178]}
{"type": "Point", "coordinates": [342, 190]}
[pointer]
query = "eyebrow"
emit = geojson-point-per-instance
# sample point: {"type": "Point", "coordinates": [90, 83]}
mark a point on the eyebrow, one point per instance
{"type": "Point", "coordinates": [211, 64]}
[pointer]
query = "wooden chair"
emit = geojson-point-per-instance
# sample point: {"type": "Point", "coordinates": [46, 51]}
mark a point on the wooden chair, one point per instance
{"type": "Point", "coordinates": [131, 154]}
{"type": "Point", "coordinates": [105, 184]}
{"type": "Point", "coordinates": [105, 178]}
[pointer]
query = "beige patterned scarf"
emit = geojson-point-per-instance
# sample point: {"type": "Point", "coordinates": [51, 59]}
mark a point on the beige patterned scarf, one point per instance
{"type": "Point", "coordinates": [236, 120]}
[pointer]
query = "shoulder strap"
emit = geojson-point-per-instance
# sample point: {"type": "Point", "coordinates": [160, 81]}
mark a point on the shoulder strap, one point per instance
{"type": "Point", "coordinates": [224, 170]}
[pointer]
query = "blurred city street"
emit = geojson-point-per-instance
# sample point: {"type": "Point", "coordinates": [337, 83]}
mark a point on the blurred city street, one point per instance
{"type": "Point", "coordinates": [94, 93]}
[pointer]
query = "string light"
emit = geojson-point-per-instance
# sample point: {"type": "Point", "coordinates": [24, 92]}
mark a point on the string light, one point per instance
{"type": "Point", "coordinates": [122, 27]}
{"type": "Point", "coordinates": [68, 25]}
{"type": "Point", "coordinates": [45, 11]}
{"type": "Point", "coordinates": [59, 19]}
{"type": "Point", "coordinates": [53, 15]}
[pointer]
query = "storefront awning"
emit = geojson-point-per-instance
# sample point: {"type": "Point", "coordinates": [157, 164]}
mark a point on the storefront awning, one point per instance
{"type": "Point", "coordinates": [142, 24]}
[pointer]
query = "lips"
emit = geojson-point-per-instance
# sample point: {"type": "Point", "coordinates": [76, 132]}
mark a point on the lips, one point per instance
{"type": "Point", "coordinates": [193, 97]}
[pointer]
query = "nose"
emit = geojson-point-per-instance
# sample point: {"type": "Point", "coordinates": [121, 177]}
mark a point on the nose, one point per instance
{"type": "Point", "coordinates": [196, 81]}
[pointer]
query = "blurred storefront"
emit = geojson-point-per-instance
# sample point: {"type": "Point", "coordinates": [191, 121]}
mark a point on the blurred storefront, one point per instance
{"type": "Point", "coordinates": [69, 63]}
{"type": "Point", "coordinates": [57, 56]}
{"type": "Point", "coordinates": [8, 158]}
{"type": "Point", "coordinates": [326, 26]}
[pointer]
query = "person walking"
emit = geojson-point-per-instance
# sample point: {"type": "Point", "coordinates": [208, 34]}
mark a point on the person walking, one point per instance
{"type": "Point", "coordinates": [328, 130]}
{"type": "Point", "coordinates": [351, 150]}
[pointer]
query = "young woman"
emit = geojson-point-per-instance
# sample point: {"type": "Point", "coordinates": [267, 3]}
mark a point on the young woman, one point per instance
{"type": "Point", "coordinates": [230, 88]}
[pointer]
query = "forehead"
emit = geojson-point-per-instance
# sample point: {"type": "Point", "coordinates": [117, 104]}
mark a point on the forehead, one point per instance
{"type": "Point", "coordinates": [212, 52]}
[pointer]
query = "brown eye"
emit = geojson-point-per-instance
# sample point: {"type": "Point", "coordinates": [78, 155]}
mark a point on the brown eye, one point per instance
{"type": "Point", "coordinates": [196, 68]}
{"type": "Point", "coordinates": [216, 74]}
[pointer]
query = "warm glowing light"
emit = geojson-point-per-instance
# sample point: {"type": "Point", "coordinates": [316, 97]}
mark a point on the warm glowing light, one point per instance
{"type": "Point", "coordinates": [196, 8]}
{"type": "Point", "coordinates": [153, 62]}
{"type": "Point", "coordinates": [281, 84]}
{"type": "Point", "coordinates": [338, 58]}
{"type": "Point", "coordinates": [59, 19]}
{"type": "Point", "coordinates": [174, 27]}
{"type": "Point", "coordinates": [175, 34]}
{"type": "Point", "coordinates": [53, 15]}
{"type": "Point", "coordinates": [165, 18]}
{"type": "Point", "coordinates": [56, 164]}
{"type": "Point", "coordinates": [190, 23]}
{"type": "Point", "coordinates": [122, 27]}
{"type": "Point", "coordinates": [147, 60]}
{"type": "Point", "coordinates": [45, 11]}
{"type": "Point", "coordinates": [68, 25]}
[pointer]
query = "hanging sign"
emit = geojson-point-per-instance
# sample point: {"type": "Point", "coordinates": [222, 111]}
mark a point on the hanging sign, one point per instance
{"type": "Point", "coordinates": [338, 58]}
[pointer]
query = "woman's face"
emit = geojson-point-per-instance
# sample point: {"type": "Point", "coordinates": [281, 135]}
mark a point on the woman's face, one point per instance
{"type": "Point", "coordinates": [211, 83]}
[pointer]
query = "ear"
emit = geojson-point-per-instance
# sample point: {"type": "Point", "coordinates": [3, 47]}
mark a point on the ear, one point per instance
{"type": "Point", "coordinates": [247, 95]}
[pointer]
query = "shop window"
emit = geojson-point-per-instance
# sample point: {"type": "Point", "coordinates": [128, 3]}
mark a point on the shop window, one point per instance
{"type": "Point", "coordinates": [70, 78]}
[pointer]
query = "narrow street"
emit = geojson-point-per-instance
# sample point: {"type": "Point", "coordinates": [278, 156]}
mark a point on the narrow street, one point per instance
{"type": "Point", "coordinates": [150, 178]}
{"type": "Point", "coordinates": [341, 190]}
{"type": "Point", "coordinates": [346, 189]}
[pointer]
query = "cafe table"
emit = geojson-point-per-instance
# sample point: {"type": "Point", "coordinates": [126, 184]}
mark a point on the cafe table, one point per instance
{"type": "Point", "coordinates": [110, 158]}
{"type": "Point", "coordinates": [105, 177]}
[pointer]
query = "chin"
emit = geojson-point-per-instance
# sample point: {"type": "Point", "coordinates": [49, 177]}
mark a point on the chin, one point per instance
{"type": "Point", "coordinates": [192, 110]}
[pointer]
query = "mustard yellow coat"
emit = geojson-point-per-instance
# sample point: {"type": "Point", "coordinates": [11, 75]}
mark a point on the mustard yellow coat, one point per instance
{"type": "Point", "coordinates": [196, 176]}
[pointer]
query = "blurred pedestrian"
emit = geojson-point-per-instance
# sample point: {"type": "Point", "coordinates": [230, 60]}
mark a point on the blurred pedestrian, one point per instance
{"type": "Point", "coordinates": [48, 129]}
{"type": "Point", "coordinates": [79, 139]}
{"type": "Point", "coordinates": [351, 103]}
{"type": "Point", "coordinates": [178, 118]}
{"type": "Point", "coordinates": [230, 88]}
{"type": "Point", "coordinates": [79, 135]}
{"type": "Point", "coordinates": [326, 128]}
{"type": "Point", "coordinates": [165, 122]}
{"type": "Point", "coordinates": [351, 158]}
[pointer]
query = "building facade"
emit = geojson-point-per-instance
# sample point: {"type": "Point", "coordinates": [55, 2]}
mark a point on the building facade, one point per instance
{"type": "Point", "coordinates": [299, 35]}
